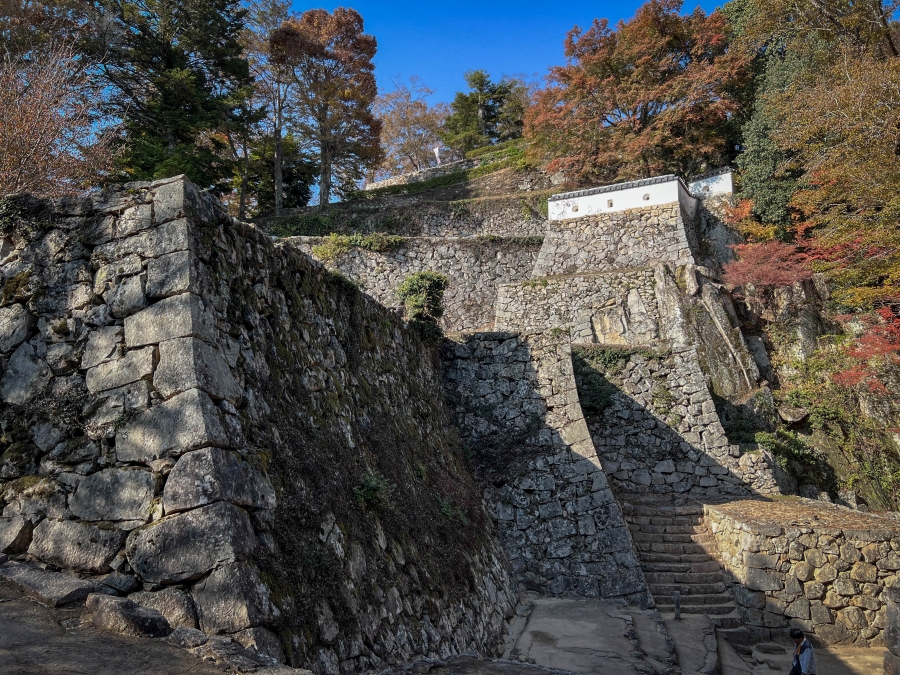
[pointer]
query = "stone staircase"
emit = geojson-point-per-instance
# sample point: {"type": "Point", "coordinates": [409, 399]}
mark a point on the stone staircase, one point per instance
{"type": "Point", "coordinates": [674, 547]}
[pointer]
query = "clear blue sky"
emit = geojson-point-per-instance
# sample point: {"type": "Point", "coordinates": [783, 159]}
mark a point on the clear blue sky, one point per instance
{"type": "Point", "coordinates": [439, 41]}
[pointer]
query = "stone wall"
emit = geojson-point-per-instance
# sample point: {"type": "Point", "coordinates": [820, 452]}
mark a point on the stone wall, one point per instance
{"type": "Point", "coordinates": [625, 239]}
{"type": "Point", "coordinates": [655, 426]}
{"type": "Point", "coordinates": [255, 446]}
{"type": "Point", "coordinates": [517, 408]}
{"type": "Point", "coordinates": [892, 631]}
{"type": "Point", "coordinates": [820, 567]}
{"type": "Point", "coordinates": [476, 267]}
{"type": "Point", "coordinates": [418, 216]}
{"type": "Point", "coordinates": [429, 173]}
{"type": "Point", "coordinates": [612, 307]}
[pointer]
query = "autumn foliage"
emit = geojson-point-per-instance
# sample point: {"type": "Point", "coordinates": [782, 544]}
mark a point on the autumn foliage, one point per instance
{"type": "Point", "coordinates": [49, 140]}
{"type": "Point", "coordinates": [876, 348]}
{"type": "Point", "coordinates": [767, 265]}
{"type": "Point", "coordinates": [651, 96]}
{"type": "Point", "coordinates": [329, 58]}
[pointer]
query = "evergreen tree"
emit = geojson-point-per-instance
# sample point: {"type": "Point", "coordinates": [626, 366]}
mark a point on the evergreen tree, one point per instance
{"type": "Point", "coordinates": [490, 112]}
{"type": "Point", "coordinates": [178, 75]}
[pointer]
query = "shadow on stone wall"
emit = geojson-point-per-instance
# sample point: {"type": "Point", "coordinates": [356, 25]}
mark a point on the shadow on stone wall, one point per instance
{"type": "Point", "coordinates": [516, 404]}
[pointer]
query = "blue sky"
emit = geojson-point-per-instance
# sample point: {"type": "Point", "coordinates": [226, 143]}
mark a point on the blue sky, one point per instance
{"type": "Point", "coordinates": [439, 41]}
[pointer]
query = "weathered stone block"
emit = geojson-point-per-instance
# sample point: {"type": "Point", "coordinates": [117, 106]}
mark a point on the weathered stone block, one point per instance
{"type": "Point", "coordinates": [121, 615]}
{"type": "Point", "coordinates": [48, 588]}
{"type": "Point", "coordinates": [189, 363]}
{"type": "Point", "coordinates": [852, 618]}
{"type": "Point", "coordinates": [175, 273]}
{"type": "Point", "coordinates": [127, 297]}
{"type": "Point", "coordinates": [212, 474]}
{"type": "Point", "coordinates": [172, 603]}
{"type": "Point", "coordinates": [16, 324]}
{"type": "Point", "coordinates": [120, 582]}
{"type": "Point", "coordinates": [262, 641]}
{"type": "Point", "coordinates": [799, 609]}
{"type": "Point", "coordinates": [891, 664]}
{"type": "Point", "coordinates": [892, 620]}
{"type": "Point", "coordinates": [833, 634]}
{"type": "Point", "coordinates": [114, 494]}
{"type": "Point", "coordinates": [815, 557]}
{"type": "Point", "coordinates": [102, 345]}
{"type": "Point", "coordinates": [186, 546]}
{"type": "Point", "coordinates": [863, 571]}
{"type": "Point", "coordinates": [18, 460]}
{"type": "Point", "coordinates": [15, 534]}
{"type": "Point", "coordinates": [758, 580]}
{"type": "Point", "coordinates": [232, 598]}
{"type": "Point", "coordinates": [187, 421]}
{"type": "Point", "coordinates": [820, 615]}
{"type": "Point", "coordinates": [826, 573]}
{"type": "Point", "coordinates": [136, 364]}
{"type": "Point", "coordinates": [76, 546]}
{"type": "Point", "coordinates": [761, 560]}
{"type": "Point", "coordinates": [26, 376]}
{"type": "Point", "coordinates": [177, 316]}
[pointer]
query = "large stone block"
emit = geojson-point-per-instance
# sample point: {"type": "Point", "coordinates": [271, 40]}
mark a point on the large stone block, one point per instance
{"type": "Point", "coordinates": [114, 494]}
{"type": "Point", "coordinates": [48, 588]}
{"type": "Point", "coordinates": [26, 376]}
{"type": "Point", "coordinates": [189, 363]}
{"type": "Point", "coordinates": [232, 598]}
{"type": "Point", "coordinates": [891, 664]}
{"type": "Point", "coordinates": [121, 615]}
{"type": "Point", "coordinates": [136, 364]}
{"type": "Point", "coordinates": [178, 198]}
{"type": "Point", "coordinates": [758, 580]}
{"type": "Point", "coordinates": [178, 235]}
{"type": "Point", "coordinates": [102, 345]}
{"type": "Point", "coordinates": [892, 620]}
{"type": "Point", "coordinates": [172, 603]}
{"type": "Point", "coordinates": [176, 273]}
{"type": "Point", "coordinates": [15, 534]}
{"type": "Point", "coordinates": [212, 474]}
{"type": "Point", "coordinates": [178, 316]}
{"type": "Point", "coordinates": [262, 641]}
{"type": "Point", "coordinates": [188, 545]}
{"type": "Point", "coordinates": [187, 421]}
{"type": "Point", "coordinates": [77, 546]}
{"type": "Point", "coordinates": [16, 325]}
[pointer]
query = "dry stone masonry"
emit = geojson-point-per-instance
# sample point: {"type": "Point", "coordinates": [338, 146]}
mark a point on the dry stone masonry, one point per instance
{"type": "Point", "coordinates": [517, 401]}
{"type": "Point", "coordinates": [151, 343]}
{"type": "Point", "coordinates": [798, 562]}
{"type": "Point", "coordinates": [476, 266]}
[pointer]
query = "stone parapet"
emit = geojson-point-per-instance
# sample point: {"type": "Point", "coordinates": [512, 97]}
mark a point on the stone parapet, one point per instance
{"type": "Point", "coordinates": [823, 568]}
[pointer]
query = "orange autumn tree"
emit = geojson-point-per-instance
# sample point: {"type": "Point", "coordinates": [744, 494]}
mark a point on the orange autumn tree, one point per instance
{"type": "Point", "coordinates": [656, 94]}
{"type": "Point", "coordinates": [52, 140]}
{"type": "Point", "coordinates": [329, 58]}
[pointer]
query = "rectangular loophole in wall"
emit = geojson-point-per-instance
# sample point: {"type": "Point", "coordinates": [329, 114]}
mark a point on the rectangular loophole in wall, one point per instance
{"type": "Point", "coordinates": [609, 203]}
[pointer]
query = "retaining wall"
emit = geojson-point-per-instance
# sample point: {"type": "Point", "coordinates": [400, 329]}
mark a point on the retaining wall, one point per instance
{"type": "Point", "coordinates": [220, 423]}
{"type": "Point", "coordinates": [516, 406]}
{"type": "Point", "coordinates": [817, 566]}
{"type": "Point", "coordinates": [476, 267]}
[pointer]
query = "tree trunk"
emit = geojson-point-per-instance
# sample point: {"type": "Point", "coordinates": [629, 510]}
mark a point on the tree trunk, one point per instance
{"type": "Point", "coordinates": [325, 180]}
{"type": "Point", "coordinates": [279, 160]}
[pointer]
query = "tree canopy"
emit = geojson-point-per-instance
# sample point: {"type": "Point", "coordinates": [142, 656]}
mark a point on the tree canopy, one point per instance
{"type": "Point", "coordinates": [329, 58]}
{"type": "Point", "coordinates": [653, 95]}
{"type": "Point", "coordinates": [488, 113]}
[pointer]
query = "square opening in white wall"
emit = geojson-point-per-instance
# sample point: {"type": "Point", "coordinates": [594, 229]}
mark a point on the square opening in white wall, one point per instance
{"type": "Point", "coordinates": [609, 203]}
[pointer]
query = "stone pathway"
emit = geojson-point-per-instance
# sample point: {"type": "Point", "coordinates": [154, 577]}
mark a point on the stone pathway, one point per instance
{"type": "Point", "coordinates": [765, 659]}
{"type": "Point", "coordinates": [674, 547]}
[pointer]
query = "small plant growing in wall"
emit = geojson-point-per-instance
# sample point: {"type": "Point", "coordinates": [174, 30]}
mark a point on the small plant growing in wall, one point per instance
{"type": "Point", "coordinates": [422, 294]}
{"type": "Point", "coordinates": [374, 491]}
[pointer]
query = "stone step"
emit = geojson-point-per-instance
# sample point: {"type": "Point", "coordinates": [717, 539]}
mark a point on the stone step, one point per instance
{"type": "Point", "coordinates": [727, 621]}
{"type": "Point", "coordinates": [687, 589]}
{"type": "Point", "coordinates": [667, 547]}
{"type": "Point", "coordinates": [651, 557]}
{"type": "Point", "coordinates": [673, 538]}
{"type": "Point", "coordinates": [711, 610]}
{"type": "Point", "coordinates": [669, 529]}
{"type": "Point", "coordinates": [690, 599]}
{"type": "Point", "coordinates": [683, 578]}
{"type": "Point", "coordinates": [711, 566]}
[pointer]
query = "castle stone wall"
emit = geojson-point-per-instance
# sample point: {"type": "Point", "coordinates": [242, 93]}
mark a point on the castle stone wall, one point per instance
{"type": "Point", "coordinates": [516, 405]}
{"type": "Point", "coordinates": [822, 568]}
{"type": "Point", "coordinates": [476, 266]}
{"type": "Point", "coordinates": [612, 241]}
{"type": "Point", "coordinates": [192, 412]}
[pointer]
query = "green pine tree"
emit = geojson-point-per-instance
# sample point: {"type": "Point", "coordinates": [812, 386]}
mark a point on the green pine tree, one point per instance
{"type": "Point", "coordinates": [490, 112]}
{"type": "Point", "coordinates": [178, 79]}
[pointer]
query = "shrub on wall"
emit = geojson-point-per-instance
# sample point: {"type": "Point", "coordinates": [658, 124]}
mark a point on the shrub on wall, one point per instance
{"type": "Point", "coordinates": [422, 294]}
